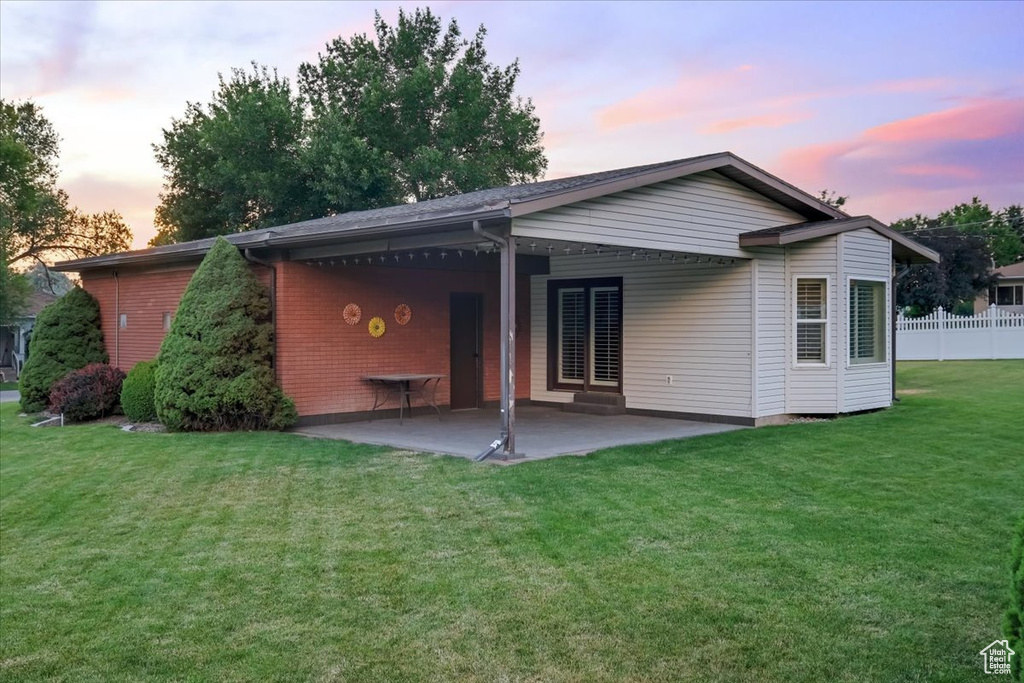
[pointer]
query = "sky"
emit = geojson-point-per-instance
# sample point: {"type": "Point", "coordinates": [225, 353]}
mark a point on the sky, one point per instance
{"type": "Point", "coordinates": [905, 107]}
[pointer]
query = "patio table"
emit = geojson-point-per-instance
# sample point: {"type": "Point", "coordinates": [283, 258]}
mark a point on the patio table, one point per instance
{"type": "Point", "coordinates": [405, 387]}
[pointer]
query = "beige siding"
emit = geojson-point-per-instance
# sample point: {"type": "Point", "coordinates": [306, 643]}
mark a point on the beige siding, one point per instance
{"type": "Point", "coordinates": [700, 214]}
{"type": "Point", "coordinates": [771, 331]}
{"type": "Point", "coordinates": [868, 255]}
{"type": "Point", "coordinates": [689, 321]}
{"type": "Point", "coordinates": [812, 388]}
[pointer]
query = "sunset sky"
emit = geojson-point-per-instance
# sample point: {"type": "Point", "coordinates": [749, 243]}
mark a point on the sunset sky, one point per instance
{"type": "Point", "coordinates": [906, 107]}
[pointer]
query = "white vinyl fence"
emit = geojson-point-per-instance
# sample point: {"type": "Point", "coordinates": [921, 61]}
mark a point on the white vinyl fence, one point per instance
{"type": "Point", "coordinates": [943, 336]}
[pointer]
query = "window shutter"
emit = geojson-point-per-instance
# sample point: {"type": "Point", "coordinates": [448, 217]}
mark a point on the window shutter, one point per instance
{"type": "Point", "coordinates": [571, 334]}
{"type": "Point", "coordinates": [811, 315]}
{"type": "Point", "coordinates": [606, 335]}
{"type": "Point", "coordinates": [867, 323]}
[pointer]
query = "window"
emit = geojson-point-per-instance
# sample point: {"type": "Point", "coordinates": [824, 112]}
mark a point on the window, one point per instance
{"type": "Point", "coordinates": [1007, 295]}
{"type": "Point", "coordinates": [811, 321]}
{"type": "Point", "coordinates": [585, 334]}
{"type": "Point", "coordinates": [867, 322]}
{"type": "Point", "coordinates": [123, 322]}
{"type": "Point", "coordinates": [572, 335]}
{"type": "Point", "coordinates": [606, 335]}
{"type": "Point", "coordinates": [167, 320]}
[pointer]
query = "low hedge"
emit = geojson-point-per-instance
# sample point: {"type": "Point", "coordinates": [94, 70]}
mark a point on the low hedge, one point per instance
{"type": "Point", "coordinates": [137, 392]}
{"type": "Point", "coordinates": [89, 393]}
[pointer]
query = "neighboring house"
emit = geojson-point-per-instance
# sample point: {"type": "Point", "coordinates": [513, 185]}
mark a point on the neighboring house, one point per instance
{"type": "Point", "coordinates": [14, 338]}
{"type": "Point", "coordinates": [701, 288]}
{"type": "Point", "coordinates": [1007, 294]}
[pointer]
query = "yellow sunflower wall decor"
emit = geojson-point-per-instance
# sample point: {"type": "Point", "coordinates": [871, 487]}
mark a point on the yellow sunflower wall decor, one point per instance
{"type": "Point", "coordinates": [377, 327]}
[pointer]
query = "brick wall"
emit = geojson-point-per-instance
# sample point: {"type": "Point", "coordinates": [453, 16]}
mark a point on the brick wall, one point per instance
{"type": "Point", "coordinates": [144, 297]}
{"type": "Point", "coordinates": [319, 357]}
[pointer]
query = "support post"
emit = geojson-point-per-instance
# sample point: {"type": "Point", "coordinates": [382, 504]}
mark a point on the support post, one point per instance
{"type": "Point", "coordinates": [893, 323]}
{"type": "Point", "coordinates": [507, 245]}
{"type": "Point", "coordinates": [508, 276]}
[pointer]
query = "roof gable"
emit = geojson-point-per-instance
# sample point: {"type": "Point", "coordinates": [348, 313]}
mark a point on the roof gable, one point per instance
{"type": "Point", "coordinates": [904, 248]}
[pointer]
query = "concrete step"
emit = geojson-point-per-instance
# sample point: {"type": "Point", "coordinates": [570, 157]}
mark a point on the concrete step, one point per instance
{"type": "Point", "coordinates": [593, 409]}
{"type": "Point", "coordinates": [599, 398]}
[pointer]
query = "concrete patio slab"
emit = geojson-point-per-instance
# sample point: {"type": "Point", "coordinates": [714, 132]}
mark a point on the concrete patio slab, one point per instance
{"type": "Point", "coordinates": [541, 432]}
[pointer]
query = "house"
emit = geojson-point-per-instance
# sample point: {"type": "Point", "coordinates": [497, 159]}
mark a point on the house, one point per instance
{"type": "Point", "coordinates": [702, 288]}
{"type": "Point", "coordinates": [14, 338]}
{"type": "Point", "coordinates": [1007, 294]}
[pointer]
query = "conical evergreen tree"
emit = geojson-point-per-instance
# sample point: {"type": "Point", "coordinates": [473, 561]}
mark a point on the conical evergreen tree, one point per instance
{"type": "Point", "coordinates": [66, 337]}
{"type": "Point", "coordinates": [215, 369]}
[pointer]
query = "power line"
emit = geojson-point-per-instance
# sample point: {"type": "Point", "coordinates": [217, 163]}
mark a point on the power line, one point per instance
{"type": "Point", "coordinates": [967, 225]}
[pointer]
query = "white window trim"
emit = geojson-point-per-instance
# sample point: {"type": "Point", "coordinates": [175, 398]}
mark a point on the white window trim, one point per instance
{"type": "Point", "coordinates": [793, 319]}
{"type": "Point", "coordinates": [887, 316]}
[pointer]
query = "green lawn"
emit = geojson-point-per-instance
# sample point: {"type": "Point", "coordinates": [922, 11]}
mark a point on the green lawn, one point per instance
{"type": "Point", "coordinates": [871, 548]}
{"type": "Point", "coordinates": [8, 386]}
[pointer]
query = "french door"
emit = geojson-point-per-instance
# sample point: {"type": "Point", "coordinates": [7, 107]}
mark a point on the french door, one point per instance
{"type": "Point", "coordinates": [585, 334]}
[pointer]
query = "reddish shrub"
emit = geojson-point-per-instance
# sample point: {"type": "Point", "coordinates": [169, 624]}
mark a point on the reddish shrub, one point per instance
{"type": "Point", "coordinates": [88, 393]}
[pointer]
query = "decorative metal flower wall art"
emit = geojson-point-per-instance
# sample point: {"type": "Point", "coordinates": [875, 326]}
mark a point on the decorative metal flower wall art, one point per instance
{"type": "Point", "coordinates": [377, 327]}
{"type": "Point", "coordinates": [403, 314]}
{"type": "Point", "coordinates": [352, 314]}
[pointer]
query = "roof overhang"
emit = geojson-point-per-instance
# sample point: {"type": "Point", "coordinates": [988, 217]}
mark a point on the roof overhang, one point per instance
{"type": "Point", "coordinates": [904, 249]}
{"type": "Point", "coordinates": [277, 238]}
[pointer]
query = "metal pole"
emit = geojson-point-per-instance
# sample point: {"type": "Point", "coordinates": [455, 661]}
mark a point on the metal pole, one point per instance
{"type": "Point", "coordinates": [509, 276]}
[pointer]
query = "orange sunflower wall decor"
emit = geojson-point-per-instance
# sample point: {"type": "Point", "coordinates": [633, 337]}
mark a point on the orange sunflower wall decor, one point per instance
{"type": "Point", "coordinates": [377, 327]}
{"type": "Point", "coordinates": [352, 314]}
{"type": "Point", "coordinates": [403, 314]}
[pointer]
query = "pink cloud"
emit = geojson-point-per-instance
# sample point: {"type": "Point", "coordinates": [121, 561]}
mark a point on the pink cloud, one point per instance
{"type": "Point", "coordinates": [940, 170]}
{"type": "Point", "coordinates": [910, 85]}
{"type": "Point", "coordinates": [762, 121]}
{"type": "Point", "coordinates": [913, 164]}
{"type": "Point", "coordinates": [813, 161]}
{"type": "Point", "coordinates": [664, 103]}
{"type": "Point", "coordinates": [983, 119]}
{"type": "Point", "coordinates": [987, 119]}
{"type": "Point", "coordinates": [744, 89]}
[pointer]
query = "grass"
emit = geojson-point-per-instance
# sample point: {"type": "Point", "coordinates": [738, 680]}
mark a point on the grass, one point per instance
{"type": "Point", "coordinates": [870, 548]}
{"type": "Point", "coordinates": [8, 386]}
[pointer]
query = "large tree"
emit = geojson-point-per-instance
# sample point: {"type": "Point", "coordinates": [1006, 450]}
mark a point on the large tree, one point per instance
{"type": "Point", "coordinates": [971, 238]}
{"type": "Point", "coordinates": [36, 219]}
{"type": "Point", "coordinates": [1001, 229]}
{"type": "Point", "coordinates": [962, 274]}
{"type": "Point", "coordinates": [414, 113]}
{"type": "Point", "coordinates": [15, 289]}
{"type": "Point", "coordinates": [446, 120]}
{"type": "Point", "coordinates": [233, 164]}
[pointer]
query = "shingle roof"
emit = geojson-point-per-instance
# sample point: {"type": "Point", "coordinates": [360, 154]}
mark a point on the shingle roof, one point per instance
{"type": "Point", "coordinates": [1012, 270]}
{"type": "Point", "coordinates": [481, 199]}
{"type": "Point", "coordinates": [494, 202]}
